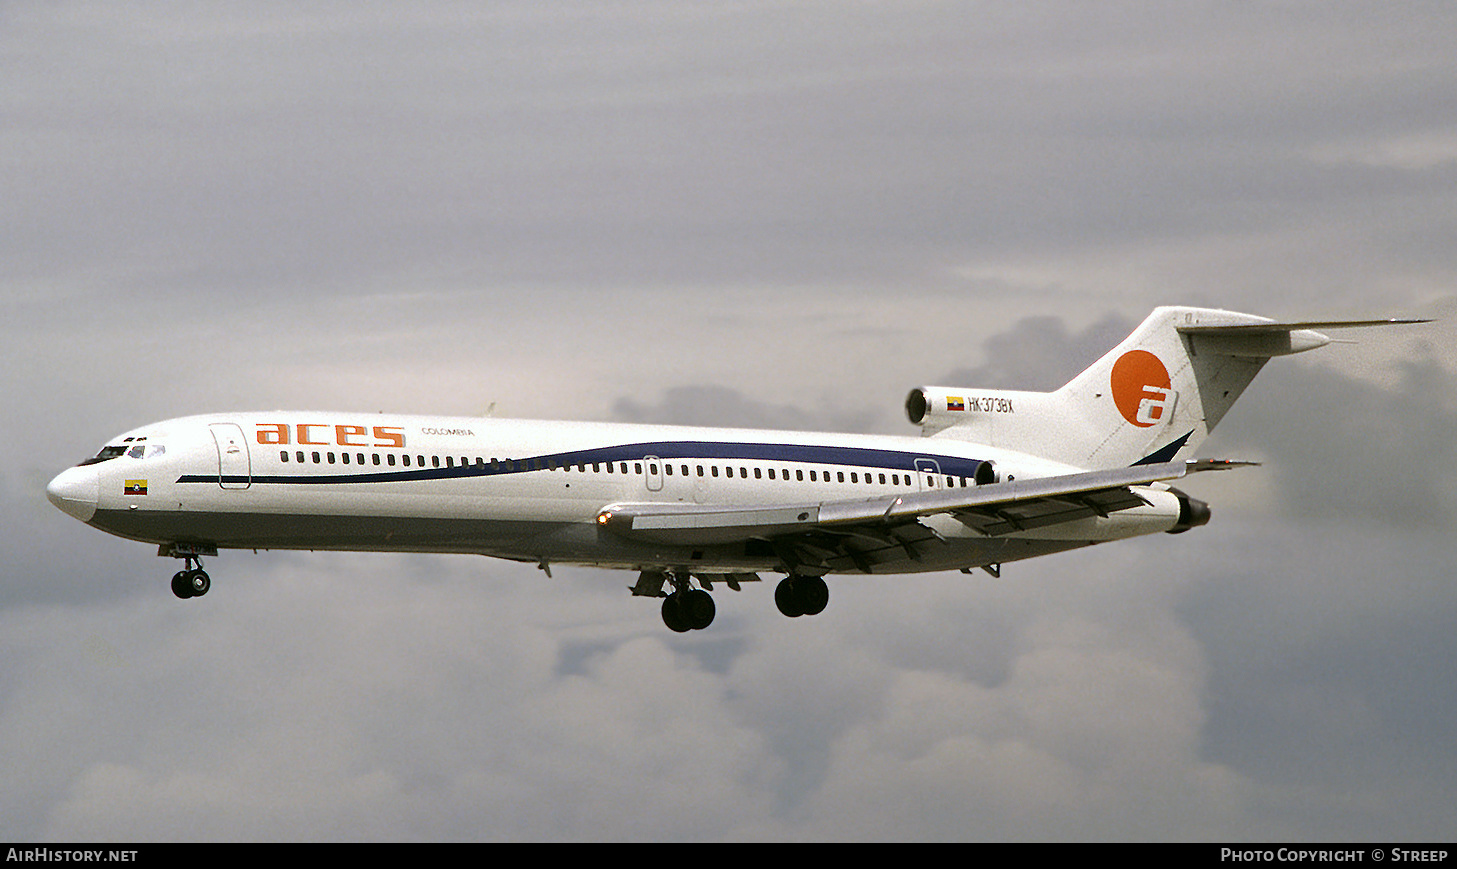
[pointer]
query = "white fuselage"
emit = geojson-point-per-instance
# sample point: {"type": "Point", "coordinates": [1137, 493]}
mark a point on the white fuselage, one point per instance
{"type": "Point", "coordinates": [531, 490]}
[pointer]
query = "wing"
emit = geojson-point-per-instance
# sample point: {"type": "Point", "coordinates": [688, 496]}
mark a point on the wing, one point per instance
{"type": "Point", "coordinates": [825, 529]}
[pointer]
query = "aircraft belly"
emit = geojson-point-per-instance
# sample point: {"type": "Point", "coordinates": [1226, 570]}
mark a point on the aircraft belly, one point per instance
{"type": "Point", "coordinates": [274, 530]}
{"type": "Point", "coordinates": [550, 541]}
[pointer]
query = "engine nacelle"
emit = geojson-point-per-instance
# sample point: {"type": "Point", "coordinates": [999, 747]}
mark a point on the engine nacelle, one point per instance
{"type": "Point", "coordinates": [1192, 512]}
{"type": "Point", "coordinates": [936, 407]}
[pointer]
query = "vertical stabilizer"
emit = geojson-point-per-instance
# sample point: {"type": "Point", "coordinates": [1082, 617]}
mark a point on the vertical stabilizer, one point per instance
{"type": "Point", "coordinates": [1153, 398]}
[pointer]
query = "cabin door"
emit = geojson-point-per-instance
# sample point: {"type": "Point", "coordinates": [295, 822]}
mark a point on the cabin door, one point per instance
{"type": "Point", "coordinates": [235, 469]}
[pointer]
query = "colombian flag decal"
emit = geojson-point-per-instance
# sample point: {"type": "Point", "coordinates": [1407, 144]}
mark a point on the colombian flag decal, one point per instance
{"type": "Point", "coordinates": [955, 402]}
{"type": "Point", "coordinates": [135, 487]}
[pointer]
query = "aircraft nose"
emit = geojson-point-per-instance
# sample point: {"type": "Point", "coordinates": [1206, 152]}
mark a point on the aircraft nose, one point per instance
{"type": "Point", "coordinates": [74, 490]}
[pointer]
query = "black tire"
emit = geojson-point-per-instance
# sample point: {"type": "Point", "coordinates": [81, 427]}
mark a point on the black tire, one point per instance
{"type": "Point", "coordinates": [812, 593]}
{"type": "Point", "coordinates": [182, 585]}
{"type": "Point", "coordinates": [697, 608]}
{"type": "Point", "coordinates": [787, 598]}
{"type": "Point", "coordinates": [673, 615]}
{"type": "Point", "coordinates": [200, 582]}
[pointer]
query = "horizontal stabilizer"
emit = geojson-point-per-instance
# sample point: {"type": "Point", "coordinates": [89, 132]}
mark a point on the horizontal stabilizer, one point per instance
{"type": "Point", "coordinates": [1271, 328]}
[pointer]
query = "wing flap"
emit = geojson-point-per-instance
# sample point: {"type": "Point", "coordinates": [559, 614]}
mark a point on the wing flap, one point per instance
{"type": "Point", "coordinates": [995, 508]}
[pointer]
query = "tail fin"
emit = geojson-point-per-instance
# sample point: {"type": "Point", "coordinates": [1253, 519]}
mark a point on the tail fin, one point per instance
{"type": "Point", "coordinates": [1153, 398]}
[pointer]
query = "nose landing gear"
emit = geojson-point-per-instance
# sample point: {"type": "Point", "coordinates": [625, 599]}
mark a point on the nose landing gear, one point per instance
{"type": "Point", "coordinates": [192, 580]}
{"type": "Point", "coordinates": [191, 583]}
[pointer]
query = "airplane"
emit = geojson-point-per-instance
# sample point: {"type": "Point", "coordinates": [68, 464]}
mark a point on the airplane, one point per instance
{"type": "Point", "coordinates": [996, 476]}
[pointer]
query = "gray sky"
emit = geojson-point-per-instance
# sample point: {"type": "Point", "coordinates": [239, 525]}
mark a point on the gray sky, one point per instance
{"type": "Point", "coordinates": [764, 213]}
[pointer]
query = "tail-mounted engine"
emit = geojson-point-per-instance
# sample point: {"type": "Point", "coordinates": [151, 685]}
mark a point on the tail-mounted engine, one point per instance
{"type": "Point", "coordinates": [936, 407]}
{"type": "Point", "coordinates": [1192, 513]}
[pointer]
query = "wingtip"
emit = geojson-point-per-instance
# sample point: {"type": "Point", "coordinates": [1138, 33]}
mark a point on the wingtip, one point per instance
{"type": "Point", "coordinates": [1197, 465]}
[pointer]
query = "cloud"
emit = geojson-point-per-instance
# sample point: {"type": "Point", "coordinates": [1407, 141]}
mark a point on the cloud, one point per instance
{"type": "Point", "coordinates": [1338, 446]}
{"type": "Point", "coordinates": [721, 406]}
{"type": "Point", "coordinates": [776, 214]}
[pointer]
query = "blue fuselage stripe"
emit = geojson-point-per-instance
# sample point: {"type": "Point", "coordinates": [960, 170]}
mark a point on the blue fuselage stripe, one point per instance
{"type": "Point", "coordinates": [803, 454]}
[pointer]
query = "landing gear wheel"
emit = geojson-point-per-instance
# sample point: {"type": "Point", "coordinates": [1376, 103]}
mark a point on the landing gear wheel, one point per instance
{"type": "Point", "coordinates": [801, 595]}
{"type": "Point", "coordinates": [691, 610]}
{"type": "Point", "coordinates": [697, 607]}
{"type": "Point", "coordinates": [786, 599]}
{"type": "Point", "coordinates": [673, 615]}
{"type": "Point", "coordinates": [192, 580]}
{"type": "Point", "coordinates": [813, 594]}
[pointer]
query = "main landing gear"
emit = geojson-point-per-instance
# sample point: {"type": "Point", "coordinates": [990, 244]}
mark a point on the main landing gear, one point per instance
{"type": "Point", "coordinates": [690, 610]}
{"type": "Point", "coordinates": [686, 608]}
{"type": "Point", "coordinates": [798, 595]}
{"type": "Point", "coordinates": [192, 580]}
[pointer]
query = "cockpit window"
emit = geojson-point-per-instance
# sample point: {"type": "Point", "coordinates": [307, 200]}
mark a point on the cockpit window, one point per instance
{"type": "Point", "coordinates": [105, 454]}
{"type": "Point", "coordinates": [132, 450]}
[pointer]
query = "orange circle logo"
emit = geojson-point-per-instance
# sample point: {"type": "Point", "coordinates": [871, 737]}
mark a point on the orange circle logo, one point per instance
{"type": "Point", "coordinates": [1141, 388]}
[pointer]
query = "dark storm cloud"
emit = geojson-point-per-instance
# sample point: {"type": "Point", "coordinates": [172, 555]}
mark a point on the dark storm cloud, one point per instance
{"type": "Point", "coordinates": [1038, 354]}
{"type": "Point", "coordinates": [1340, 447]}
